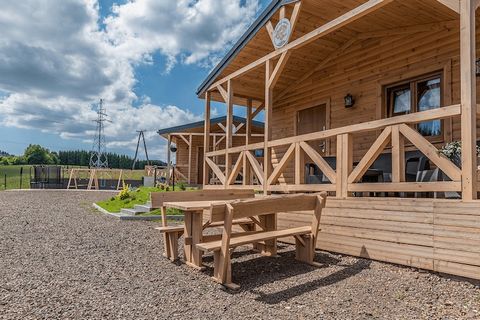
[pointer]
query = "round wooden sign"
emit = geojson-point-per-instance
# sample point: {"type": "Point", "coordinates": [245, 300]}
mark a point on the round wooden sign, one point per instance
{"type": "Point", "coordinates": [281, 34]}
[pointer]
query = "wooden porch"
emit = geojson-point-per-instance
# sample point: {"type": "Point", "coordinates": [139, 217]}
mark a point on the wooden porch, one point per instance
{"type": "Point", "coordinates": [362, 49]}
{"type": "Point", "coordinates": [457, 107]}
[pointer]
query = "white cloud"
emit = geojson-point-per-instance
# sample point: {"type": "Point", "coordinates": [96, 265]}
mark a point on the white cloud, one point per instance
{"type": "Point", "coordinates": [197, 31]}
{"type": "Point", "coordinates": [56, 61]}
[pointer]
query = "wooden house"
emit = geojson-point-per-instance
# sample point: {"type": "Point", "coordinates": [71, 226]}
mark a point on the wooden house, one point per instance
{"type": "Point", "coordinates": [358, 97]}
{"type": "Point", "coordinates": [189, 141]}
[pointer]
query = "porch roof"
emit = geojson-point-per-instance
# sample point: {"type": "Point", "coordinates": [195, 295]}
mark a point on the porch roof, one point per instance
{"type": "Point", "coordinates": [200, 124]}
{"type": "Point", "coordinates": [395, 17]}
{"type": "Point", "coordinates": [266, 14]}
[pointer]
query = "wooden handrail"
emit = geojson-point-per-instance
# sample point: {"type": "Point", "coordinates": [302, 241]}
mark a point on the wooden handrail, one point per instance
{"type": "Point", "coordinates": [413, 118]}
{"type": "Point", "coordinates": [233, 150]}
{"type": "Point", "coordinates": [344, 179]}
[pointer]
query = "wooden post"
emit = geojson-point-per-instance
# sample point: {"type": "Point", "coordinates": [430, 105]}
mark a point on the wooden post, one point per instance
{"type": "Point", "coordinates": [299, 162]}
{"type": "Point", "coordinates": [268, 121]}
{"type": "Point", "coordinates": [169, 158]}
{"type": "Point", "coordinates": [248, 139]}
{"type": "Point", "coordinates": [229, 125]}
{"type": "Point", "coordinates": [190, 158]}
{"type": "Point", "coordinates": [206, 138]}
{"type": "Point", "coordinates": [468, 99]}
{"type": "Point", "coordinates": [398, 156]}
{"type": "Point", "coordinates": [344, 163]}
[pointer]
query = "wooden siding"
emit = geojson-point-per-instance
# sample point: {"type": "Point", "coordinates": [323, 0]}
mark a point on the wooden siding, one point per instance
{"type": "Point", "coordinates": [437, 235]}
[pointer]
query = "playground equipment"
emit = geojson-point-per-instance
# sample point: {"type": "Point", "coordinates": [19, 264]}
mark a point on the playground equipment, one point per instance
{"type": "Point", "coordinates": [94, 178]}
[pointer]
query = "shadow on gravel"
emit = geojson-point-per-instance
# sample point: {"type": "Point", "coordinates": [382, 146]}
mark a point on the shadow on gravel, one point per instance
{"type": "Point", "coordinates": [258, 271]}
{"type": "Point", "coordinates": [459, 279]}
{"type": "Point", "coordinates": [254, 270]}
{"type": "Point", "coordinates": [298, 290]}
{"type": "Point", "coordinates": [303, 288]}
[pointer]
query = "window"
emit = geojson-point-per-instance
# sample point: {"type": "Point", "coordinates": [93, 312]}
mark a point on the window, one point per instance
{"type": "Point", "coordinates": [417, 95]}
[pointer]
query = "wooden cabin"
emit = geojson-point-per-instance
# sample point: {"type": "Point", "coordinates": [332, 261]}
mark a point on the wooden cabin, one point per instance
{"type": "Point", "coordinates": [358, 96]}
{"type": "Point", "coordinates": [189, 140]}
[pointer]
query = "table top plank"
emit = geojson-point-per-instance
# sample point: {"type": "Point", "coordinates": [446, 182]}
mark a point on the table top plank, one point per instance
{"type": "Point", "coordinates": [193, 205]}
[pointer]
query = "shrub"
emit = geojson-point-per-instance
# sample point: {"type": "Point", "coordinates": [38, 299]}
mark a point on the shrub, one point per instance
{"type": "Point", "coordinates": [182, 186]}
{"type": "Point", "coordinates": [124, 193]}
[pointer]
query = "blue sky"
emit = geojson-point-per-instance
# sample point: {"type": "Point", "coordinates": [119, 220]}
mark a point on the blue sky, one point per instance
{"type": "Point", "coordinates": [146, 58]}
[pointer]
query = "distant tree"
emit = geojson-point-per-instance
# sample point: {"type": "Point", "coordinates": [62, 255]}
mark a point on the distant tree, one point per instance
{"type": "Point", "coordinates": [14, 160]}
{"type": "Point", "coordinates": [4, 154]}
{"type": "Point", "coordinates": [36, 154]}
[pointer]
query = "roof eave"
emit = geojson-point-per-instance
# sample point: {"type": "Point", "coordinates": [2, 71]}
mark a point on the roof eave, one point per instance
{"type": "Point", "coordinates": [242, 42]}
{"type": "Point", "coordinates": [200, 124]}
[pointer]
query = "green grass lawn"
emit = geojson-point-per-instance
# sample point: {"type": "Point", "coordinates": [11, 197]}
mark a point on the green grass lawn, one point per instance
{"type": "Point", "coordinates": [12, 176]}
{"type": "Point", "coordinates": [138, 196]}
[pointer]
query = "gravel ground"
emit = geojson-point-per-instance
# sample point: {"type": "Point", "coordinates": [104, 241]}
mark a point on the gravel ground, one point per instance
{"type": "Point", "coordinates": [60, 259]}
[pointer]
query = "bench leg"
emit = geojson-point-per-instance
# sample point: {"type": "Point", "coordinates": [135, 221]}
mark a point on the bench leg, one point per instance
{"type": "Point", "coordinates": [249, 227]}
{"type": "Point", "coordinates": [269, 247]}
{"type": "Point", "coordinates": [166, 244]}
{"type": "Point", "coordinates": [219, 276]}
{"type": "Point", "coordinates": [171, 245]}
{"type": "Point", "coordinates": [305, 249]}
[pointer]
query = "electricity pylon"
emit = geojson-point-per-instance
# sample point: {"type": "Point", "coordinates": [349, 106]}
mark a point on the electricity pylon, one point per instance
{"type": "Point", "coordinates": [142, 136]}
{"type": "Point", "coordinates": [98, 156]}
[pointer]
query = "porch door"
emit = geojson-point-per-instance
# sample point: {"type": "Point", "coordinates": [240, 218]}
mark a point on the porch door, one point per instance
{"type": "Point", "coordinates": [310, 120]}
{"type": "Point", "coordinates": [200, 166]}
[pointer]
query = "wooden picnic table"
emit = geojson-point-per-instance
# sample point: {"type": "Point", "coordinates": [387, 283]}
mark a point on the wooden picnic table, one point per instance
{"type": "Point", "coordinates": [193, 229]}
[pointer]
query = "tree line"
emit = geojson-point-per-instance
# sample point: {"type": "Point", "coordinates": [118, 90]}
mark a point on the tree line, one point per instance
{"type": "Point", "coordinates": [115, 161]}
{"type": "Point", "coordinates": [36, 154]}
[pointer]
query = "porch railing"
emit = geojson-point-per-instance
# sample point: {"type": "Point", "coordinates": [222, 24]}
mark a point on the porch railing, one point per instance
{"type": "Point", "coordinates": [346, 178]}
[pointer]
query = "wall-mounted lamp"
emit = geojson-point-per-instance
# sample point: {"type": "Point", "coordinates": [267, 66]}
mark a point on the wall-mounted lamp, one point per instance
{"type": "Point", "coordinates": [477, 67]}
{"type": "Point", "coordinates": [349, 101]}
{"type": "Point", "coordinates": [173, 148]}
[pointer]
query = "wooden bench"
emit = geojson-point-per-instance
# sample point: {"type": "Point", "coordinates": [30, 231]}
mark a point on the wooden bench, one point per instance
{"type": "Point", "coordinates": [173, 233]}
{"type": "Point", "coordinates": [305, 236]}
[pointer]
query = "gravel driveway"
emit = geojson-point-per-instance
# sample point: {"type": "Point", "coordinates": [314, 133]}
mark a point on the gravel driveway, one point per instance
{"type": "Point", "coordinates": [60, 259]}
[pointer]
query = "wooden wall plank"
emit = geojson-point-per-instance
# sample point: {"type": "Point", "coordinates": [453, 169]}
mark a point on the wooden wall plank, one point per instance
{"type": "Point", "coordinates": [422, 233]}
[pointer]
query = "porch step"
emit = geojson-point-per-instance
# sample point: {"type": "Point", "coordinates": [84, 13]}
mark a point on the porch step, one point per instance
{"type": "Point", "coordinates": [137, 209]}
{"type": "Point", "coordinates": [142, 208]}
{"type": "Point", "coordinates": [130, 212]}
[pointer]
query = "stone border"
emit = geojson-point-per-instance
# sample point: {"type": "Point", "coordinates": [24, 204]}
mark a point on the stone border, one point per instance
{"type": "Point", "coordinates": [127, 217]}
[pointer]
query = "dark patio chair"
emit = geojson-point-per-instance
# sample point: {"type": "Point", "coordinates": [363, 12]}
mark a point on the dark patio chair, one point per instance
{"type": "Point", "coordinates": [313, 174]}
{"type": "Point", "coordinates": [428, 176]}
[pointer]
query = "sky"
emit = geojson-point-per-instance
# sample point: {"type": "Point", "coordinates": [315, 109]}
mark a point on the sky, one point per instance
{"type": "Point", "coordinates": [145, 58]}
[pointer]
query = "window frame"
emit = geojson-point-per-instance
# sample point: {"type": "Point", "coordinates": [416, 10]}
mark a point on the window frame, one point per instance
{"type": "Point", "coordinates": [412, 83]}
